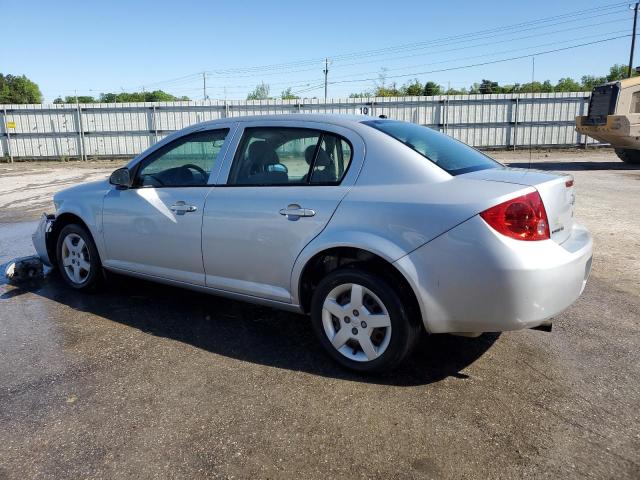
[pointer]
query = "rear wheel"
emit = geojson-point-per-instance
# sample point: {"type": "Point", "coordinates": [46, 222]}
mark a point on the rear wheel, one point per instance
{"type": "Point", "coordinates": [78, 259]}
{"type": "Point", "coordinates": [628, 155]}
{"type": "Point", "coordinates": [362, 321]}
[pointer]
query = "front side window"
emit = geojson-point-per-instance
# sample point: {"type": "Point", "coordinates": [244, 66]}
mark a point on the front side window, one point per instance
{"type": "Point", "coordinates": [186, 162]}
{"type": "Point", "coordinates": [449, 154]}
{"type": "Point", "coordinates": [289, 156]}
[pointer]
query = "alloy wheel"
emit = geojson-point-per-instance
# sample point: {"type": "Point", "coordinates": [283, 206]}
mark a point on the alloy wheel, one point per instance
{"type": "Point", "coordinates": [356, 322]}
{"type": "Point", "coordinates": [75, 258]}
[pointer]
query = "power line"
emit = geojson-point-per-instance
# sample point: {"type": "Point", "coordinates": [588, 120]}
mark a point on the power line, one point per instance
{"type": "Point", "coordinates": [429, 53]}
{"type": "Point", "coordinates": [341, 60]}
{"type": "Point", "coordinates": [306, 83]}
{"type": "Point", "coordinates": [448, 39]}
{"type": "Point", "coordinates": [575, 16]}
{"type": "Point", "coordinates": [488, 62]}
{"type": "Point", "coordinates": [487, 54]}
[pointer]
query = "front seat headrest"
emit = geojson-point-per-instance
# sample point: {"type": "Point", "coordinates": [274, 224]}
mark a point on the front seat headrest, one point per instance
{"type": "Point", "coordinates": [322, 159]}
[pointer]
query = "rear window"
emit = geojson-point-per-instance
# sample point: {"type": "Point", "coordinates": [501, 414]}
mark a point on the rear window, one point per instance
{"type": "Point", "coordinates": [449, 154]}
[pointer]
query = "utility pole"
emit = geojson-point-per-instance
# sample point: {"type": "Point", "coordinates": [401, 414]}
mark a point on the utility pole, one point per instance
{"type": "Point", "coordinates": [204, 85]}
{"type": "Point", "coordinates": [633, 38]}
{"type": "Point", "coordinates": [326, 73]}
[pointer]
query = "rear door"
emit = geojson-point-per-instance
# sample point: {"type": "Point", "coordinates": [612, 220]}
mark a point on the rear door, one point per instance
{"type": "Point", "coordinates": [280, 189]}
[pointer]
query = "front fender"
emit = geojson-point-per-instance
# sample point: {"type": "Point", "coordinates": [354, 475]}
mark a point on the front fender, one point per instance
{"type": "Point", "coordinates": [85, 202]}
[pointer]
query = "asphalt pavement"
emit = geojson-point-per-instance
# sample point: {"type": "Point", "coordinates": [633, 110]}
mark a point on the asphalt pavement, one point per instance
{"type": "Point", "coordinates": [146, 381]}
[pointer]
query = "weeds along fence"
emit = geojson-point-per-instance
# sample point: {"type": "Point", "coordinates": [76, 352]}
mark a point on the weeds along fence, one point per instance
{"type": "Point", "coordinates": [83, 131]}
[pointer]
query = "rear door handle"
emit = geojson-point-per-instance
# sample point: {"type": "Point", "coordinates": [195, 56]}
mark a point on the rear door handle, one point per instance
{"type": "Point", "coordinates": [180, 207]}
{"type": "Point", "coordinates": [295, 211]}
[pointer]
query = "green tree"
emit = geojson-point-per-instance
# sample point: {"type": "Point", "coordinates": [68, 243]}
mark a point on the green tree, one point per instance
{"type": "Point", "coordinates": [487, 87]}
{"type": "Point", "coordinates": [454, 91]}
{"type": "Point", "coordinates": [509, 88]}
{"type": "Point", "coordinates": [364, 94]}
{"type": "Point", "coordinates": [288, 95]}
{"type": "Point", "coordinates": [589, 82]}
{"type": "Point", "coordinates": [391, 91]}
{"type": "Point", "coordinates": [536, 87]}
{"type": "Point", "coordinates": [413, 88]}
{"type": "Point", "coordinates": [381, 88]}
{"type": "Point", "coordinates": [108, 97]}
{"type": "Point", "coordinates": [547, 87]}
{"type": "Point", "coordinates": [122, 97]}
{"type": "Point", "coordinates": [72, 99]}
{"type": "Point", "coordinates": [567, 85]}
{"type": "Point", "coordinates": [159, 96]}
{"type": "Point", "coordinates": [261, 92]}
{"type": "Point", "coordinates": [18, 89]}
{"type": "Point", "coordinates": [619, 72]}
{"type": "Point", "coordinates": [431, 88]}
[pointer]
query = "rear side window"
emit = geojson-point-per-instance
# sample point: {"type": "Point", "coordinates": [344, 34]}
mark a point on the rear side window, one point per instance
{"type": "Point", "coordinates": [449, 154]}
{"type": "Point", "coordinates": [331, 160]}
{"type": "Point", "coordinates": [276, 156]}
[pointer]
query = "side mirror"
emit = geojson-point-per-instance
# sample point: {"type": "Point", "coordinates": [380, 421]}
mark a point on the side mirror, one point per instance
{"type": "Point", "coordinates": [121, 178]}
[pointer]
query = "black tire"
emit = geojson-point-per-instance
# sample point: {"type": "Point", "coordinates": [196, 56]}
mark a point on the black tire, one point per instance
{"type": "Point", "coordinates": [91, 280]}
{"type": "Point", "coordinates": [631, 157]}
{"type": "Point", "coordinates": [405, 328]}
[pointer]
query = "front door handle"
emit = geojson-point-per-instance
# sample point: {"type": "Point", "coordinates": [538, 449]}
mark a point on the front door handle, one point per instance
{"type": "Point", "coordinates": [180, 207]}
{"type": "Point", "coordinates": [295, 211]}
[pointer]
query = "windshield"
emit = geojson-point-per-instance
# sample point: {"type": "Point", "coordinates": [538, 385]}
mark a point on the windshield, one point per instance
{"type": "Point", "coordinates": [449, 154]}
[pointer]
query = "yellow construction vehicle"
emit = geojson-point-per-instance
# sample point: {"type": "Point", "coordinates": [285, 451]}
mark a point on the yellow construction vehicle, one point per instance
{"type": "Point", "coordinates": [614, 117]}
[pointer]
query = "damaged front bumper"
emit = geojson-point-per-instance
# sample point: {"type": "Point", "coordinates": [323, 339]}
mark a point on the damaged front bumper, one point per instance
{"type": "Point", "coordinates": [40, 238]}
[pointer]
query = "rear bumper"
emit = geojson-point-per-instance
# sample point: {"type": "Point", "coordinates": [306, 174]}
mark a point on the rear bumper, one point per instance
{"type": "Point", "coordinates": [472, 279]}
{"type": "Point", "coordinates": [39, 238]}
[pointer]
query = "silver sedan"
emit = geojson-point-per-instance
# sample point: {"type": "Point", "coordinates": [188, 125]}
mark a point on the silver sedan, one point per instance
{"type": "Point", "coordinates": [377, 229]}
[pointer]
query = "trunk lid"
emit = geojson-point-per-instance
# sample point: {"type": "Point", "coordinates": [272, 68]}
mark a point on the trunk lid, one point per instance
{"type": "Point", "coordinates": [555, 188]}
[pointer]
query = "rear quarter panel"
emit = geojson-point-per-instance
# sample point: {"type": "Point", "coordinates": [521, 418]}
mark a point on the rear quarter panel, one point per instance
{"type": "Point", "coordinates": [400, 202]}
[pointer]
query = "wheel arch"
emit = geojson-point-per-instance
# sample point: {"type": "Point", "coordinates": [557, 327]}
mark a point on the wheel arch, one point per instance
{"type": "Point", "coordinates": [61, 221]}
{"type": "Point", "coordinates": [331, 258]}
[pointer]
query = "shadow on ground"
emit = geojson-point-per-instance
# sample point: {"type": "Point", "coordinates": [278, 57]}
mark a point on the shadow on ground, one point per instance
{"type": "Point", "coordinates": [247, 332]}
{"type": "Point", "coordinates": [574, 166]}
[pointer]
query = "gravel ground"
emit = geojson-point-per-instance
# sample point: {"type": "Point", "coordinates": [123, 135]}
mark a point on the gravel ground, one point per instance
{"type": "Point", "coordinates": [142, 380]}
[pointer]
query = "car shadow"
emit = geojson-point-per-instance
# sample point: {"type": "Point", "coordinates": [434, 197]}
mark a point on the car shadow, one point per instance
{"type": "Point", "coordinates": [247, 332]}
{"type": "Point", "coordinates": [574, 166]}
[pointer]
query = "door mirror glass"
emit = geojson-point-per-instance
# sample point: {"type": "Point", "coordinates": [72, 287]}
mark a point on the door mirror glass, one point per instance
{"type": "Point", "coordinates": [120, 178]}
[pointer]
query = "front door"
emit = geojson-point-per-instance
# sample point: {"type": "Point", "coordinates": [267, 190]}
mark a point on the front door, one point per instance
{"type": "Point", "coordinates": [154, 228]}
{"type": "Point", "coordinates": [281, 191]}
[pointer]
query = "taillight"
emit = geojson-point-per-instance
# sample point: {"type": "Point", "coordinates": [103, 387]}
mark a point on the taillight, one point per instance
{"type": "Point", "coordinates": [522, 218]}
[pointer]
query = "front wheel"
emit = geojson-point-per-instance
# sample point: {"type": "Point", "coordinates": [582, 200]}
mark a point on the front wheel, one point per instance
{"type": "Point", "coordinates": [78, 259]}
{"type": "Point", "coordinates": [362, 321]}
{"type": "Point", "coordinates": [628, 156]}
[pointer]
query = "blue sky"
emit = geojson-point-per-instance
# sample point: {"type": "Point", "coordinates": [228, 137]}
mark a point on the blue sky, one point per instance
{"type": "Point", "coordinates": [95, 47]}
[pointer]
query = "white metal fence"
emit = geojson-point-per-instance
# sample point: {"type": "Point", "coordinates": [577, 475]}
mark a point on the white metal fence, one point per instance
{"type": "Point", "coordinates": [125, 129]}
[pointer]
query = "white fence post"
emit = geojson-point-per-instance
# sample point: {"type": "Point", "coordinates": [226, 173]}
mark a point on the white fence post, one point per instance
{"type": "Point", "coordinates": [80, 132]}
{"type": "Point", "coordinates": [8, 135]}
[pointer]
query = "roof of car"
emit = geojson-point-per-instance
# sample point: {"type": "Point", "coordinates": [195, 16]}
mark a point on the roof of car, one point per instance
{"type": "Point", "coordinates": [334, 119]}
